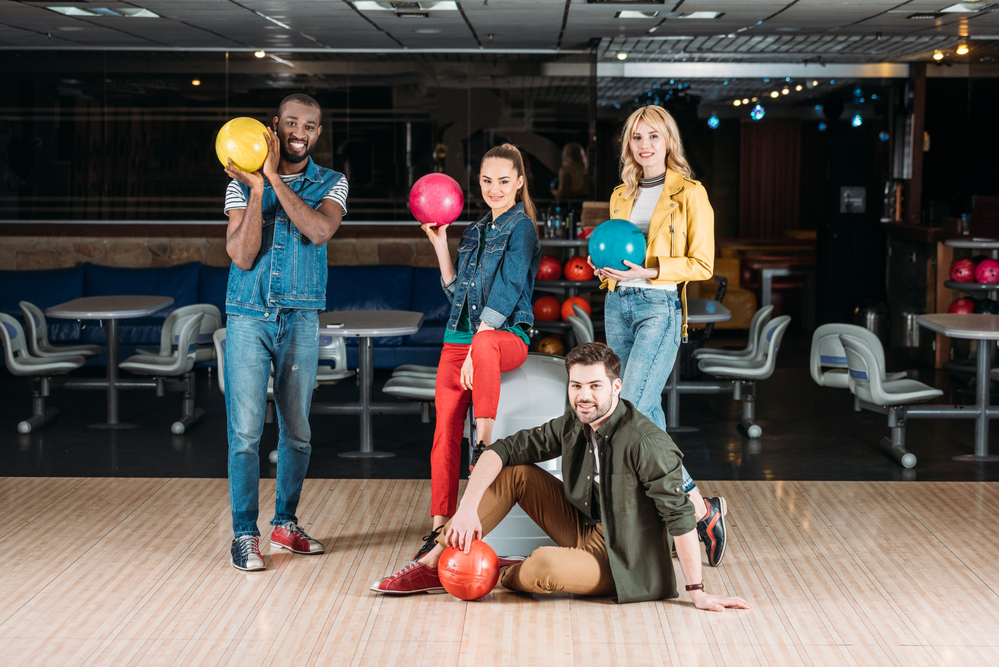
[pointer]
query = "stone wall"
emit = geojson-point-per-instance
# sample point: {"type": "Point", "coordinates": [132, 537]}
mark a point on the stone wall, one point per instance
{"type": "Point", "coordinates": [26, 253]}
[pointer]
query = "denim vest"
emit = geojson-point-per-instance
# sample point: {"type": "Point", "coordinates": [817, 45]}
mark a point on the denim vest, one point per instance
{"type": "Point", "coordinates": [498, 291]}
{"type": "Point", "coordinates": [289, 270]}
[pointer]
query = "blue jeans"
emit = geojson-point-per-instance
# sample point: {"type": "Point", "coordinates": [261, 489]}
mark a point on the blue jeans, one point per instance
{"type": "Point", "coordinates": [643, 329]}
{"type": "Point", "coordinates": [292, 344]}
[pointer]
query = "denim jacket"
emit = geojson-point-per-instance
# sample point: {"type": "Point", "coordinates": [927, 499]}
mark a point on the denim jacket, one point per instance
{"type": "Point", "coordinates": [289, 270]}
{"type": "Point", "coordinates": [499, 289]}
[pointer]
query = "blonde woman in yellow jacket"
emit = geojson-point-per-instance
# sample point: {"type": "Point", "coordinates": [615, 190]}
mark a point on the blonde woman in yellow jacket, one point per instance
{"type": "Point", "coordinates": [644, 313]}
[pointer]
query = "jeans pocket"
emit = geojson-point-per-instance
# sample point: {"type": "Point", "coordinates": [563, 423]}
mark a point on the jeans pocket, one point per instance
{"type": "Point", "coordinates": [657, 297]}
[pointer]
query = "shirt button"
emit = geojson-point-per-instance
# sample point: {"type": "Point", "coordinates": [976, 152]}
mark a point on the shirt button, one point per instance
{"type": "Point", "coordinates": [473, 308]}
{"type": "Point", "coordinates": [473, 284]}
{"type": "Point", "coordinates": [587, 477]}
{"type": "Point", "coordinates": [267, 314]}
{"type": "Point", "coordinates": [586, 503]}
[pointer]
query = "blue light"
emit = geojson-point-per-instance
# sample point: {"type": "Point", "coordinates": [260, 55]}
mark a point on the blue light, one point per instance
{"type": "Point", "coordinates": [766, 80]}
{"type": "Point", "coordinates": [861, 100]}
{"type": "Point", "coordinates": [671, 80]}
{"type": "Point", "coordinates": [650, 93]}
{"type": "Point", "coordinates": [713, 122]}
{"type": "Point", "coordinates": [818, 107]}
{"type": "Point", "coordinates": [832, 81]}
{"type": "Point", "coordinates": [884, 136]}
{"type": "Point", "coordinates": [857, 121]}
{"type": "Point", "coordinates": [758, 112]}
{"type": "Point", "coordinates": [874, 97]}
{"type": "Point", "coordinates": [617, 106]}
{"type": "Point", "coordinates": [822, 127]}
{"type": "Point", "coordinates": [724, 83]}
{"type": "Point", "coordinates": [858, 92]}
{"type": "Point", "coordinates": [788, 79]}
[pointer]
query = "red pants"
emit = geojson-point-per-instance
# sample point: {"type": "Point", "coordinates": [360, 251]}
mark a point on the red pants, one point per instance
{"type": "Point", "coordinates": [493, 352]}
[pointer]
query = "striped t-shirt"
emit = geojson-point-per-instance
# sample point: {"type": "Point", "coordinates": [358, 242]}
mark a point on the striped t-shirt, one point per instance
{"type": "Point", "coordinates": [234, 194]}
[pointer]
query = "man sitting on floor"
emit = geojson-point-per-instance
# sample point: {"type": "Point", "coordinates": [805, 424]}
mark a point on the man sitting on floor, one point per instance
{"type": "Point", "coordinates": [622, 483]}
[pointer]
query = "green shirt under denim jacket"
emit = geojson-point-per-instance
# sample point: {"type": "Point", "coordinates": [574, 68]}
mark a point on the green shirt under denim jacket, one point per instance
{"type": "Point", "coordinates": [641, 489]}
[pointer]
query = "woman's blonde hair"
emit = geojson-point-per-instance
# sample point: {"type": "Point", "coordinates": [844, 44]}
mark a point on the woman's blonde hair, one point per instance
{"type": "Point", "coordinates": [512, 153]}
{"type": "Point", "coordinates": [663, 123]}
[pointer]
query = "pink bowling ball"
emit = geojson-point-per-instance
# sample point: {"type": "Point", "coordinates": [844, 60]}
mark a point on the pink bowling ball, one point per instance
{"type": "Point", "coordinates": [987, 271]}
{"type": "Point", "coordinates": [436, 199]}
{"type": "Point", "coordinates": [963, 270]}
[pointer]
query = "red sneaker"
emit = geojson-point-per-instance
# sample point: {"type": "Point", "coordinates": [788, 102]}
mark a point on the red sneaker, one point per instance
{"type": "Point", "coordinates": [290, 536]}
{"type": "Point", "coordinates": [414, 578]}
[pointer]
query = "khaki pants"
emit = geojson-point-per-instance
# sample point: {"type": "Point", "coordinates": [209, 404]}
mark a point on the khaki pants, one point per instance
{"type": "Point", "coordinates": [577, 565]}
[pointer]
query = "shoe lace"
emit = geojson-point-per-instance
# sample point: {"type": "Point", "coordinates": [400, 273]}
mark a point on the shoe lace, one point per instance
{"type": "Point", "coordinates": [249, 544]}
{"type": "Point", "coordinates": [293, 527]}
{"type": "Point", "coordinates": [428, 542]}
{"type": "Point", "coordinates": [408, 568]}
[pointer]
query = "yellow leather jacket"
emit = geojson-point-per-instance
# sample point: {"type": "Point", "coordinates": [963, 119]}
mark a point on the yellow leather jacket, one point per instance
{"type": "Point", "coordinates": [681, 241]}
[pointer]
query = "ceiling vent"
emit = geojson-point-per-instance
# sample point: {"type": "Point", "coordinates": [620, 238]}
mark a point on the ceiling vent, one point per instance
{"type": "Point", "coordinates": [926, 15]}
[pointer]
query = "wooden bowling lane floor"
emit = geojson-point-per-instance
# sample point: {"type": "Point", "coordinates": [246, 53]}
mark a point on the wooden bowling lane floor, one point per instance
{"type": "Point", "coordinates": [136, 572]}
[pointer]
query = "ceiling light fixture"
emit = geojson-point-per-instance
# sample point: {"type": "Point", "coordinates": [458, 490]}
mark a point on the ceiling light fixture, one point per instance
{"type": "Point", "coordinates": [260, 54]}
{"type": "Point", "coordinates": [745, 100]}
{"type": "Point", "coordinates": [962, 50]}
{"type": "Point", "coordinates": [622, 56]}
{"type": "Point", "coordinates": [775, 94]}
{"type": "Point", "coordinates": [938, 55]}
{"type": "Point", "coordinates": [272, 20]}
{"type": "Point", "coordinates": [737, 103]}
{"type": "Point", "coordinates": [785, 91]}
{"type": "Point", "coordinates": [962, 7]}
{"type": "Point", "coordinates": [72, 11]}
{"type": "Point", "coordinates": [137, 13]}
{"type": "Point", "coordinates": [701, 15]}
{"type": "Point", "coordinates": [196, 82]}
{"type": "Point", "coordinates": [632, 14]}
{"type": "Point", "coordinates": [798, 87]}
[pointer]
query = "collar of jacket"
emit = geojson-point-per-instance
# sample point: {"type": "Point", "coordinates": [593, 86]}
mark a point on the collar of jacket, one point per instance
{"type": "Point", "coordinates": [313, 172]}
{"type": "Point", "coordinates": [504, 219]}
{"type": "Point", "coordinates": [673, 186]}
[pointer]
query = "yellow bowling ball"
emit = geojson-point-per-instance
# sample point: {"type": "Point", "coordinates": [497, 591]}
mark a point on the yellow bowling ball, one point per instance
{"type": "Point", "coordinates": [243, 141]}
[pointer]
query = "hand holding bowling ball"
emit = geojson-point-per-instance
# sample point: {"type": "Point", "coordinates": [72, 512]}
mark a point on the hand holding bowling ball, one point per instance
{"type": "Point", "coordinates": [469, 576]}
{"type": "Point", "coordinates": [615, 243]}
{"type": "Point", "coordinates": [245, 142]}
{"type": "Point", "coordinates": [436, 199]}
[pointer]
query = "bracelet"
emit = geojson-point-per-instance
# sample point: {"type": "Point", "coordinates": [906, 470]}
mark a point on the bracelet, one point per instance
{"type": "Point", "coordinates": [695, 587]}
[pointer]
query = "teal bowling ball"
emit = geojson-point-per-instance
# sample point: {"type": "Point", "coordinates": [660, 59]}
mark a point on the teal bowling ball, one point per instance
{"type": "Point", "coordinates": [615, 241]}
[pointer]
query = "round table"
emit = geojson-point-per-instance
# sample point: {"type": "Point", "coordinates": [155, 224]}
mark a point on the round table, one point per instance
{"type": "Point", "coordinates": [365, 325]}
{"type": "Point", "coordinates": [109, 309]}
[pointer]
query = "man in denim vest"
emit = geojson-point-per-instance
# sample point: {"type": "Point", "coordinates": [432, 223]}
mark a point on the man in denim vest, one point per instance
{"type": "Point", "coordinates": [280, 219]}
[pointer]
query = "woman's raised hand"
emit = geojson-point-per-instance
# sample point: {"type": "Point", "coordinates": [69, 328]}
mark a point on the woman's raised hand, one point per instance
{"type": "Point", "coordinates": [437, 235]}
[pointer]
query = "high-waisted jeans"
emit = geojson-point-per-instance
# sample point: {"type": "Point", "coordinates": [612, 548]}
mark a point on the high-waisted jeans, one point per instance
{"type": "Point", "coordinates": [292, 344]}
{"type": "Point", "coordinates": [643, 328]}
{"type": "Point", "coordinates": [493, 352]}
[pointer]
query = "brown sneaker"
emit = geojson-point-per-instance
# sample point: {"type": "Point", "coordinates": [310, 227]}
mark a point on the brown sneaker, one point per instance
{"type": "Point", "coordinates": [414, 578]}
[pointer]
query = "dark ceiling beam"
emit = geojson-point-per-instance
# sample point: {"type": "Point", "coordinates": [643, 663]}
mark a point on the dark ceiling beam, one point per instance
{"type": "Point", "coordinates": [565, 19]}
{"type": "Point", "coordinates": [468, 23]}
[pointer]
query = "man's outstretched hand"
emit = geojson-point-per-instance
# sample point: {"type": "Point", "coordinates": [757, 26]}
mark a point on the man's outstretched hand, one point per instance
{"type": "Point", "coordinates": [710, 602]}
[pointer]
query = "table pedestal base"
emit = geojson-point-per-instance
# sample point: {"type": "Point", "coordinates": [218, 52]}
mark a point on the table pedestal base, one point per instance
{"type": "Point", "coordinates": [366, 455]}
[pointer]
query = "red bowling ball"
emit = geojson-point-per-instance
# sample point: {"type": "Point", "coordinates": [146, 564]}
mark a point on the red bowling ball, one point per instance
{"type": "Point", "coordinates": [574, 301]}
{"type": "Point", "coordinates": [963, 270]}
{"type": "Point", "coordinates": [577, 269]}
{"type": "Point", "coordinates": [962, 307]}
{"type": "Point", "coordinates": [987, 271]}
{"type": "Point", "coordinates": [436, 199]}
{"type": "Point", "coordinates": [549, 268]}
{"type": "Point", "coordinates": [469, 576]}
{"type": "Point", "coordinates": [546, 309]}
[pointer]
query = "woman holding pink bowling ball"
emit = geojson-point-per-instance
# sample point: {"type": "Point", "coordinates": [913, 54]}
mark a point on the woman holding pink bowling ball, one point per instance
{"type": "Point", "coordinates": [490, 293]}
{"type": "Point", "coordinates": [644, 316]}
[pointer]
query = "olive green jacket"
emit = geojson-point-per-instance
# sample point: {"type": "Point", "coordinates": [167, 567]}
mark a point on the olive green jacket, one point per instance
{"type": "Point", "coordinates": [642, 503]}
